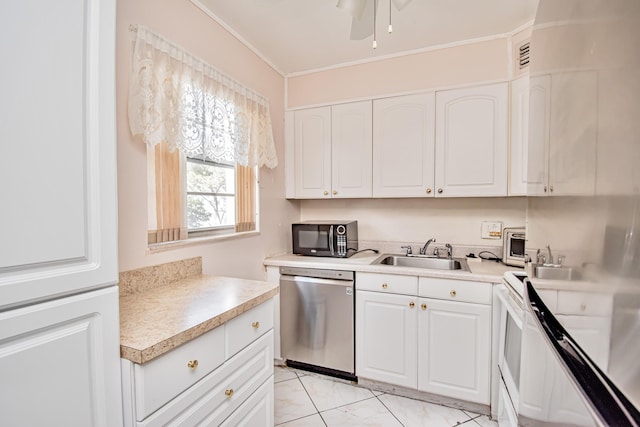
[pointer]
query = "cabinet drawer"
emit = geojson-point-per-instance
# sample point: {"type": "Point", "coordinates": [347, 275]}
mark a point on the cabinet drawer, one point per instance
{"type": "Point", "coordinates": [389, 283]}
{"type": "Point", "coordinates": [585, 304]}
{"type": "Point", "coordinates": [217, 395]}
{"type": "Point", "coordinates": [161, 379]}
{"type": "Point", "coordinates": [455, 290]}
{"type": "Point", "coordinates": [257, 411]}
{"type": "Point", "coordinates": [246, 328]}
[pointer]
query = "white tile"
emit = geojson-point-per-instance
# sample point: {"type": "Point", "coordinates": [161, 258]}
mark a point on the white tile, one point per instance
{"type": "Point", "coordinates": [283, 374]}
{"type": "Point", "coordinates": [366, 413]}
{"type": "Point", "coordinates": [329, 394]}
{"type": "Point", "coordinates": [413, 412]}
{"type": "Point", "coordinates": [310, 421]}
{"type": "Point", "coordinates": [291, 401]}
{"type": "Point", "coordinates": [484, 421]}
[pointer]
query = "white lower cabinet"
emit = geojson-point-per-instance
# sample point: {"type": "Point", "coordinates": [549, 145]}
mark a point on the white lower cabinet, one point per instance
{"type": "Point", "coordinates": [386, 331]}
{"type": "Point", "coordinates": [454, 349]}
{"type": "Point", "coordinates": [224, 377]}
{"type": "Point", "coordinates": [439, 342]}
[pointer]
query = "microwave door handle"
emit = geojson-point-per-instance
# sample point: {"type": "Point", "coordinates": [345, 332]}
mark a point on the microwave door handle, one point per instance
{"type": "Point", "coordinates": [331, 240]}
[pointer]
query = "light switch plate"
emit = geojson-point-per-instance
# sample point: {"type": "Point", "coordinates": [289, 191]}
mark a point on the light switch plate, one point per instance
{"type": "Point", "coordinates": [491, 230]}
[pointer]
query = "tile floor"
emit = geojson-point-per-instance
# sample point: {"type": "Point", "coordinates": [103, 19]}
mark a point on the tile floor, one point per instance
{"type": "Point", "coordinates": [309, 400]}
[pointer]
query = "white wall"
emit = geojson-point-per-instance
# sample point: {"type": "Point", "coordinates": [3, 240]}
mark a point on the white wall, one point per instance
{"type": "Point", "coordinates": [188, 26]}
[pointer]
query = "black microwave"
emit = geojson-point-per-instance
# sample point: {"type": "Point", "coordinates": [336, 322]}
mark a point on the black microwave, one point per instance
{"type": "Point", "coordinates": [337, 239]}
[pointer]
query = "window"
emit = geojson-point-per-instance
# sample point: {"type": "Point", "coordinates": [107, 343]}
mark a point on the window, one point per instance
{"type": "Point", "coordinates": [206, 135]}
{"type": "Point", "coordinates": [211, 195]}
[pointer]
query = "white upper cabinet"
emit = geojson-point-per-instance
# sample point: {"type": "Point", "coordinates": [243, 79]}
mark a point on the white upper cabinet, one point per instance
{"type": "Point", "coordinates": [471, 141]}
{"type": "Point", "coordinates": [538, 141]}
{"type": "Point", "coordinates": [57, 157]}
{"type": "Point", "coordinates": [403, 146]}
{"type": "Point", "coordinates": [351, 150]}
{"type": "Point", "coordinates": [519, 136]}
{"type": "Point", "coordinates": [332, 151]}
{"type": "Point", "coordinates": [312, 153]}
{"type": "Point", "coordinates": [563, 134]}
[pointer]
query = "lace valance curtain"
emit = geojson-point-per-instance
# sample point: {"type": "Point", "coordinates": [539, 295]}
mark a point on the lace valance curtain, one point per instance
{"type": "Point", "coordinates": [177, 98]}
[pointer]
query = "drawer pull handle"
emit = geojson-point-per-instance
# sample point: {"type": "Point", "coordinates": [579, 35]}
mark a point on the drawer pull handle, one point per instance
{"type": "Point", "coordinates": [424, 306]}
{"type": "Point", "coordinates": [412, 304]}
{"type": "Point", "coordinates": [193, 364]}
{"type": "Point", "coordinates": [255, 325]}
{"type": "Point", "coordinates": [228, 392]}
{"type": "Point", "coordinates": [452, 293]}
{"type": "Point", "coordinates": [384, 286]}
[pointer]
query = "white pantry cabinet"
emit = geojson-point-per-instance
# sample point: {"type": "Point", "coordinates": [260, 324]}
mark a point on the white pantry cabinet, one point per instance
{"type": "Point", "coordinates": [403, 146]}
{"type": "Point", "coordinates": [437, 342]}
{"type": "Point", "coordinates": [472, 141]}
{"type": "Point", "coordinates": [59, 362]}
{"type": "Point", "coordinates": [332, 151]}
{"type": "Point", "coordinates": [59, 325]}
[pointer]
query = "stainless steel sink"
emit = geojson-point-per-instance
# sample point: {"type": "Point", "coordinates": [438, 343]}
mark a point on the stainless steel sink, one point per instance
{"type": "Point", "coordinates": [422, 262]}
{"type": "Point", "coordinates": [554, 273]}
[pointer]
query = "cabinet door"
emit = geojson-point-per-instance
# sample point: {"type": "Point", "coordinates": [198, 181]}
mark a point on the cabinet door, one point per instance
{"type": "Point", "coordinates": [312, 153]}
{"type": "Point", "coordinates": [351, 149]}
{"type": "Point", "coordinates": [386, 331]}
{"type": "Point", "coordinates": [538, 144]}
{"type": "Point", "coordinates": [57, 157]}
{"type": "Point", "coordinates": [519, 137]}
{"type": "Point", "coordinates": [403, 146]}
{"type": "Point", "coordinates": [471, 141]}
{"type": "Point", "coordinates": [454, 349]}
{"type": "Point", "coordinates": [573, 133]}
{"type": "Point", "coordinates": [59, 362]}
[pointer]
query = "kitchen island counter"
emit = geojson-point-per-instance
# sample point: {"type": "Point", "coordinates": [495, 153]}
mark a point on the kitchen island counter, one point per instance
{"type": "Point", "coordinates": [156, 319]}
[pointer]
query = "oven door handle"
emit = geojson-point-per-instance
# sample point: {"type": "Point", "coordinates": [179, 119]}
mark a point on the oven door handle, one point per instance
{"type": "Point", "coordinates": [516, 312]}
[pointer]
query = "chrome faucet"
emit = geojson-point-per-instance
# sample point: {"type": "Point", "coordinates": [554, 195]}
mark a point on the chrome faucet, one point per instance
{"type": "Point", "coordinates": [550, 259]}
{"type": "Point", "coordinates": [449, 250]}
{"type": "Point", "coordinates": [423, 250]}
{"type": "Point", "coordinates": [408, 248]}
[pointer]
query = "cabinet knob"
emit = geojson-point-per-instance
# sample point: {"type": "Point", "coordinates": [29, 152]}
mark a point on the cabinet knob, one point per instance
{"type": "Point", "coordinates": [255, 325]}
{"type": "Point", "coordinates": [544, 189]}
{"type": "Point", "coordinates": [384, 286]}
{"type": "Point", "coordinates": [412, 304]}
{"type": "Point", "coordinates": [335, 192]}
{"type": "Point", "coordinates": [551, 189]}
{"type": "Point", "coordinates": [193, 364]}
{"type": "Point", "coordinates": [326, 193]}
{"type": "Point", "coordinates": [228, 392]}
{"type": "Point", "coordinates": [428, 191]}
{"type": "Point", "coordinates": [583, 307]}
{"type": "Point", "coordinates": [452, 293]}
{"type": "Point", "coordinates": [440, 190]}
{"type": "Point", "coordinates": [424, 306]}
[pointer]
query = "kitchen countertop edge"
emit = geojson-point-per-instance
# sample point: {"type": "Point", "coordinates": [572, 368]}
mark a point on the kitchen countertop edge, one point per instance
{"type": "Point", "coordinates": [182, 317]}
{"type": "Point", "coordinates": [484, 271]}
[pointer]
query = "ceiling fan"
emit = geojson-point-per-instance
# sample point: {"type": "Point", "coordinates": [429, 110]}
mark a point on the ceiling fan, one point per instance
{"type": "Point", "coordinates": [363, 16]}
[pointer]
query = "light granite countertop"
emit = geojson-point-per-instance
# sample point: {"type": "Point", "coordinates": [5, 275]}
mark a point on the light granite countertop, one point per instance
{"type": "Point", "coordinates": [157, 319]}
{"type": "Point", "coordinates": [480, 271]}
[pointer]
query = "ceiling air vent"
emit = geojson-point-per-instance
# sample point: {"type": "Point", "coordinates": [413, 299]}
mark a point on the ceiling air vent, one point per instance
{"type": "Point", "coordinates": [523, 55]}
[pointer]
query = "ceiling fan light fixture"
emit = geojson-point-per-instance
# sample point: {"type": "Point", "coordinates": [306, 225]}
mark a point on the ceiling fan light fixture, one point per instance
{"type": "Point", "coordinates": [390, 29]}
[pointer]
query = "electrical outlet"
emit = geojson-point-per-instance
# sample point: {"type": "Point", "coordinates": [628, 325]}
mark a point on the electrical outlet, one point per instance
{"type": "Point", "coordinates": [491, 230]}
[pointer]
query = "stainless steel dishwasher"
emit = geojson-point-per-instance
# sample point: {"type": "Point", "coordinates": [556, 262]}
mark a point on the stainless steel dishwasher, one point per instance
{"type": "Point", "coordinates": [317, 320]}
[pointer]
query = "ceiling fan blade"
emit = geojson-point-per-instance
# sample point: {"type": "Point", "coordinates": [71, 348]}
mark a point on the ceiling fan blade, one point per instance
{"type": "Point", "coordinates": [363, 27]}
{"type": "Point", "coordinates": [400, 4]}
{"type": "Point", "coordinates": [355, 8]}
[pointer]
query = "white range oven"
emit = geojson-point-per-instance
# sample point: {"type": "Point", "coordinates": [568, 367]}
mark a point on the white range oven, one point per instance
{"type": "Point", "coordinates": [510, 317]}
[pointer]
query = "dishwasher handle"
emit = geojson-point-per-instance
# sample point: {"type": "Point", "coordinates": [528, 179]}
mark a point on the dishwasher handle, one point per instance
{"type": "Point", "coordinates": [316, 281]}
